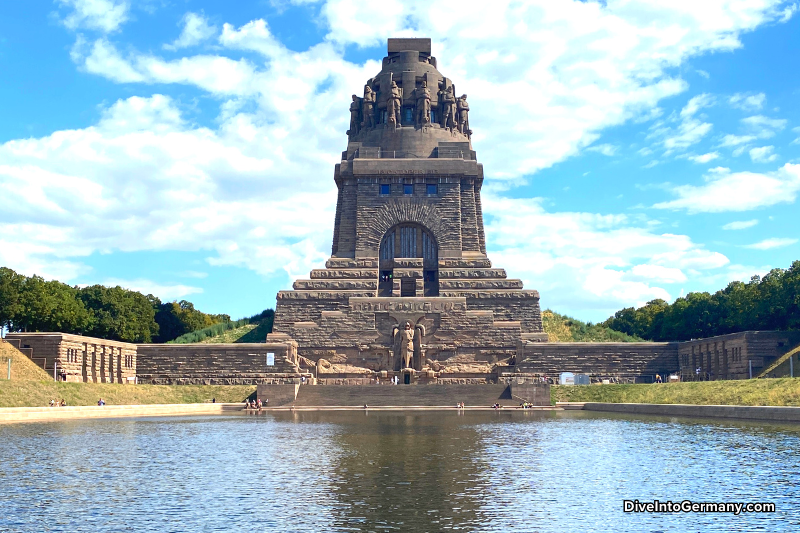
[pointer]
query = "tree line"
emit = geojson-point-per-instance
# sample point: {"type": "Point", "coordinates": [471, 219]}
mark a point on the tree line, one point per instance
{"type": "Point", "coordinates": [34, 304]}
{"type": "Point", "coordinates": [768, 303]}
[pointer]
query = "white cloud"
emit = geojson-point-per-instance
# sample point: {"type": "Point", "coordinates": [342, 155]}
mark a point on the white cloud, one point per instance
{"type": "Point", "coordinates": [705, 158]}
{"type": "Point", "coordinates": [764, 127]}
{"type": "Point", "coordinates": [165, 292]}
{"type": "Point", "coordinates": [196, 29]}
{"type": "Point", "coordinates": [736, 140]}
{"type": "Point", "coordinates": [757, 127]}
{"type": "Point", "coordinates": [564, 56]}
{"type": "Point", "coordinates": [747, 102]}
{"type": "Point", "coordinates": [155, 183]}
{"type": "Point", "coordinates": [788, 12]}
{"type": "Point", "coordinates": [605, 149]}
{"type": "Point", "coordinates": [255, 190]}
{"type": "Point", "coordinates": [696, 104]}
{"type": "Point", "coordinates": [101, 15]}
{"type": "Point", "coordinates": [740, 224]}
{"type": "Point", "coordinates": [588, 261]}
{"type": "Point", "coordinates": [763, 154]}
{"type": "Point", "coordinates": [689, 131]}
{"type": "Point", "coordinates": [737, 191]}
{"type": "Point", "coordinates": [769, 244]}
{"type": "Point", "coordinates": [193, 274]}
{"type": "Point", "coordinates": [657, 273]}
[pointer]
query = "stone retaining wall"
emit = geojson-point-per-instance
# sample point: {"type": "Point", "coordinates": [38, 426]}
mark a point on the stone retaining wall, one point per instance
{"type": "Point", "coordinates": [633, 360]}
{"type": "Point", "coordinates": [50, 414]}
{"type": "Point", "coordinates": [403, 395]}
{"type": "Point", "coordinates": [774, 414]}
{"type": "Point", "coordinates": [216, 364]}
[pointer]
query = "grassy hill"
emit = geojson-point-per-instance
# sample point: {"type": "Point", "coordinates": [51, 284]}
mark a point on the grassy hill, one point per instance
{"type": "Point", "coordinates": [781, 368]}
{"type": "Point", "coordinates": [561, 328]}
{"type": "Point", "coordinates": [252, 329]}
{"type": "Point", "coordinates": [22, 368]}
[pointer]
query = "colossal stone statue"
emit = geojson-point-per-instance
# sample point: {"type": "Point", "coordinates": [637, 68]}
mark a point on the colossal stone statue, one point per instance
{"type": "Point", "coordinates": [368, 108]}
{"type": "Point", "coordinates": [355, 107]}
{"type": "Point", "coordinates": [404, 345]}
{"type": "Point", "coordinates": [394, 105]}
{"type": "Point", "coordinates": [448, 108]}
{"type": "Point", "coordinates": [423, 105]}
{"type": "Point", "coordinates": [463, 115]}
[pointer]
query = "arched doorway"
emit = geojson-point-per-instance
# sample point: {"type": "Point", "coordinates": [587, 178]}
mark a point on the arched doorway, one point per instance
{"type": "Point", "coordinates": [409, 240]}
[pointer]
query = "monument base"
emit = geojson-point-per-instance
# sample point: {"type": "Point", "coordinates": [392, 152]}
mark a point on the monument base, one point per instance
{"type": "Point", "coordinates": [406, 395]}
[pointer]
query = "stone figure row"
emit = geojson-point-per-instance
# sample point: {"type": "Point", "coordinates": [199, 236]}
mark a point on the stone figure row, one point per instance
{"type": "Point", "coordinates": [454, 112]}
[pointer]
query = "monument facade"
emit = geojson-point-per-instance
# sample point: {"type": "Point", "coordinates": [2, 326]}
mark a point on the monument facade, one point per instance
{"type": "Point", "coordinates": [409, 287]}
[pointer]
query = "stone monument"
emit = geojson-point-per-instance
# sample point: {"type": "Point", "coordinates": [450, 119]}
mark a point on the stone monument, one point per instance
{"type": "Point", "coordinates": [408, 287]}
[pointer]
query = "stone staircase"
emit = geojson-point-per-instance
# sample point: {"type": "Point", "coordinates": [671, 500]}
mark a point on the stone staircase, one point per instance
{"type": "Point", "coordinates": [399, 395]}
{"type": "Point", "coordinates": [23, 361]}
{"type": "Point", "coordinates": [28, 352]}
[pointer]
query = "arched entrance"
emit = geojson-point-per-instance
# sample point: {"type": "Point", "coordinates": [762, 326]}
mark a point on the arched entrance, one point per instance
{"type": "Point", "coordinates": [416, 278]}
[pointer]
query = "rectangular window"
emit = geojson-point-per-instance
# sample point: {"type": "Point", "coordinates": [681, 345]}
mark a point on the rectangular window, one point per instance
{"type": "Point", "coordinates": [433, 188]}
{"type": "Point", "coordinates": [386, 189]}
{"type": "Point", "coordinates": [408, 189]}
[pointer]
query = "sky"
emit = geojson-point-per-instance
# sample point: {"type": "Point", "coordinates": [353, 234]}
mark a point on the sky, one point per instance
{"type": "Point", "coordinates": [631, 150]}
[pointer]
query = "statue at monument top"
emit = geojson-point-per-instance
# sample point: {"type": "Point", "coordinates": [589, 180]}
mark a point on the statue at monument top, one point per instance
{"type": "Point", "coordinates": [463, 115]}
{"type": "Point", "coordinates": [355, 108]}
{"type": "Point", "coordinates": [423, 104]}
{"type": "Point", "coordinates": [448, 99]}
{"type": "Point", "coordinates": [408, 107]}
{"type": "Point", "coordinates": [394, 104]}
{"type": "Point", "coordinates": [368, 108]}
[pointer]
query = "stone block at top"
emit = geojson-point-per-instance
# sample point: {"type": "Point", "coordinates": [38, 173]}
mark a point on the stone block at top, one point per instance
{"type": "Point", "coordinates": [401, 45]}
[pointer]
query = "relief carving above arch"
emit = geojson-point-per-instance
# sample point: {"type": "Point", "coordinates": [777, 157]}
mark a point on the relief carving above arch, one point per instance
{"type": "Point", "coordinates": [410, 211]}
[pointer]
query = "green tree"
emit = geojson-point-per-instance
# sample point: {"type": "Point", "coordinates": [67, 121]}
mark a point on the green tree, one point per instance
{"type": "Point", "coordinates": [50, 306]}
{"type": "Point", "coordinates": [119, 313]}
{"type": "Point", "coordinates": [10, 293]}
{"type": "Point", "coordinates": [179, 318]}
{"type": "Point", "coordinates": [769, 302]}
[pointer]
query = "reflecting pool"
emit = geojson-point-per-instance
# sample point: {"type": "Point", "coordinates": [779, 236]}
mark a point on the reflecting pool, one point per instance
{"type": "Point", "coordinates": [404, 471]}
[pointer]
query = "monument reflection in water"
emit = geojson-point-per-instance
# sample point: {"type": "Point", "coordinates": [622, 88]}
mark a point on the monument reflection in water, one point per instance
{"type": "Point", "coordinates": [392, 471]}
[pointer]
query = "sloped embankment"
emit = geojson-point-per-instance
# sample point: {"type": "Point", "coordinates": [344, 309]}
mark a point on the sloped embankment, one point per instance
{"type": "Point", "coordinates": [22, 368]}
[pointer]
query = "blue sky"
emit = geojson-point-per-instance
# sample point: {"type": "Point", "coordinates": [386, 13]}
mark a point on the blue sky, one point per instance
{"type": "Point", "coordinates": [632, 150]}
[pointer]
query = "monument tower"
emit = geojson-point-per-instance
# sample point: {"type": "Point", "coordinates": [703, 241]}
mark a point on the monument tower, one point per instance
{"type": "Point", "coordinates": [408, 287]}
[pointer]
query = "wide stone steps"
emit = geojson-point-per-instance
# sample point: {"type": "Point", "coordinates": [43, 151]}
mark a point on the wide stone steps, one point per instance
{"type": "Point", "coordinates": [337, 284]}
{"type": "Point", "coordinates": [343, 262]}
{"type": "Point", "coordinates": [469, 273]}
{"type": "Point", "coordinates": [479, 284]}
{"type": "Point", "coordinates": [486, 293]}
{"type": "Point", "coordinates": [324, 295]}
{"type": "Point", "coordinates": [376, 395]}
{"type": "Point", "coordinates": [344, 273]}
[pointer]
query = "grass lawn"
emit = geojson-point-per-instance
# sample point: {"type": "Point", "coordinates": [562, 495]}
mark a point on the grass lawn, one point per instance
{"type": "Point", "coordinates": [39, 393]}
{"type": "Point", "coordinates": [780, 391]}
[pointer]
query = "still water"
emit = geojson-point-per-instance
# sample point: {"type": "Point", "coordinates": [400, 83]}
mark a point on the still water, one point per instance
{"type": "Point", "coordinates": [393, 471]}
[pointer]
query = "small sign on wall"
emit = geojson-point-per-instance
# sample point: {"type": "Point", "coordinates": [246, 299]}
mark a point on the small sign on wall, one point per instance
{"type": "Point", "coordinates": [270, 359]}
